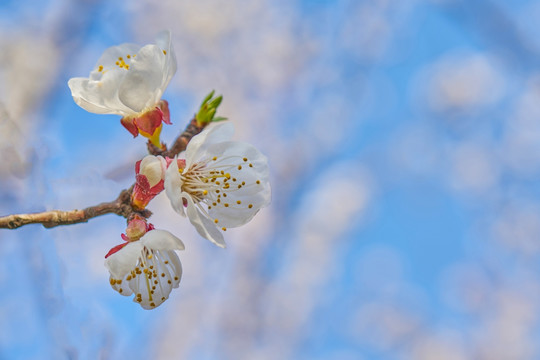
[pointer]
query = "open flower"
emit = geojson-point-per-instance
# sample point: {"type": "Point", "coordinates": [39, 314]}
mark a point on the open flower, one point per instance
{"type": "Point", "coordinates": [129, 81]}
{"type": "Point", "coordinates": [150, 172]}
{"type": "Point", "coordinates": [146, 264]}
{"type": "Point", "coordinates": [220, 184]}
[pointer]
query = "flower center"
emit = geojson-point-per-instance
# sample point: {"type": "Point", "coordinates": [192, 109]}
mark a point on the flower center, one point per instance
{"type": "Point", "coordinates": [153, 277]}
{"type": "Point", "coordinates": [218, 182]}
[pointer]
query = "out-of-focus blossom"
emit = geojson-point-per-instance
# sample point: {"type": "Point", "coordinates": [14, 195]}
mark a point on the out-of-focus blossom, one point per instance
{"type": "Point", "coordinates": [220, 184]}
{"type": "Point", "coordinates": [146, 264]}
{"type": "Point", "coordinates": [129, 81]}
{"type": "Point", "coordinates": [149, 180]}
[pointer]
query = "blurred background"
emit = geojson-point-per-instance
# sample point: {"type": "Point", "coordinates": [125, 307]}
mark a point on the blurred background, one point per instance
{"type": "Point", "coordinates": [404, 145]}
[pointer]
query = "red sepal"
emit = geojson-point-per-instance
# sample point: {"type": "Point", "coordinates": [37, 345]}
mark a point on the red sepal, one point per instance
{"type": "Point", "coordinates": [115, 249]}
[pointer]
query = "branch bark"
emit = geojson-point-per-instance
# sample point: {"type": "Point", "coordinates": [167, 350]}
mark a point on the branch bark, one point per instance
{"type": "Point", "coordinates": [121, 206]}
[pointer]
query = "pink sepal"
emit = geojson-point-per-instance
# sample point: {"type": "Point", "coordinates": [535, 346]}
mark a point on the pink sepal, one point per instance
{"type": "Point", "coordinates": [143, 193]}
{"type": "Point", "coordinates": [116, 249]}
{"type": "Point", "coordinates": [129, 124]}
{"type": "Point", "coordinates": [148, 122]}
{"type": "Point", "coordinates": [164, 106]}
{"type": "Point", "coordinates": [138, 167]}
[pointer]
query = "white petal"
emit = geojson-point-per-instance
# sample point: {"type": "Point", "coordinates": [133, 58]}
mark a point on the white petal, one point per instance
{"type": "Point", "coordinates": [141, 87]}
{"type": "Point", "coordinates": [161, 240]}
{"type": "Point", "coordinates": [110, 56]}
{"type": "Point", "coordinates": [163, 40]}
{"type": "Point", "coordinates": [124, 260]}
{"type": "Point", "coordinates": [212, 134]}
{"type": "Point", "coordinates": [156, 278]}
{"type": "Point", "coordinates": [121, 285]}
{"type": "Point", "coordinates": [78, 90]}
{"type": "Point", "coordinates": [152, 167]}
{"type": "Point", "coordinates": [256, 191]}
{"type": "Point", "coordinates": [205, 227]}
{"type": "Point", "coordinates": [100, 96]}
{"type": "Point", "coordinates": [173, 187]}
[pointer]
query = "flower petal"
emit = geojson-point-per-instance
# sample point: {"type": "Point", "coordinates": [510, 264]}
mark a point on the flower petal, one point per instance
{"type": "Point", "coordinates": [212, 134]}
{"type": "Point", "coordinates": [154, 282]}
{"type": "Point", "coordinates": [142, 86]}
{"type": "Point", "coordinates": [163, 40]}
{"type": "Point", "coordinates": [251, 191]}
{"type": "Point", "coordinates": [123, 261]}
{"type": "Point", "coordinates": [100, 96]}
{"type": "Point", "coordinates": [161, 240]}
{"type": "Point", "coordinates": [173, 187]}
{"type": "Point", "coordinates": [205, 227]}
{"type": "Point", "coordinates": [153, 167]}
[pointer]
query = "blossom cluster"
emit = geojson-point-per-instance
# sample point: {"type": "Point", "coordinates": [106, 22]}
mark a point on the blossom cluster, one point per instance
{"type": "Point", "coordinates": [217, 183]}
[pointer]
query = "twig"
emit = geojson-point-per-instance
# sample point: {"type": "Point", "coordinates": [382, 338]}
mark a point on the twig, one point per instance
{"type": "Point", "coordinates": [180, 143]}
{"type": "Point", "coordinates": [121, 206]}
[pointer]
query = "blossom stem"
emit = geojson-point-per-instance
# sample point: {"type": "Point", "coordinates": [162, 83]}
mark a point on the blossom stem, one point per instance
{"type": "Point", "coordinates": [180, 143]}
{"type": "Point", "coordinates": [121, 206]}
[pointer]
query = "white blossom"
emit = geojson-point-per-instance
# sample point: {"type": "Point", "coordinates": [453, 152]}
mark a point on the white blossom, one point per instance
{"type": "Point", "coordinates": [127, 80]}
{"type": "Point", "coordinates": [148, 267]}
{"type": "Point", "coordinates": [221, 183]}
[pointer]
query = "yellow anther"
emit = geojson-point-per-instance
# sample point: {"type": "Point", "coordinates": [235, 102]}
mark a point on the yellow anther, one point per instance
{"type": "Point", "coordinates": [205, 192]}
{"type": "Point", "coordinates": [250, 165]}
{"type": "Point", "coordinates": [176, 278]}
{"type": "Point", "coordinates": [117, 63]}
{"type": "Point", "coordinates": [238, 202]}
{"type": "Point", "coordinates": [214, 158]}
{"type": "Point", "coordinates": [164, 52]}
{"type": "Point", "coordinates": [239, 167]}
{"type": "Point", "coordinates": [216, 221]}
{"type": "Point", "coordinates": [152, 304]}
{"type": "Point", "coordinates": [149, 256]}
{"type": "Point", "coordinates": [120, 59]}
{"type": "Point", "coordinates": [245, 159]}
{"type": "Point", "coordinates": [128, 56]}
{"type": "Point", "coordinates": [258, 182]}
{"type": "Point", "coordinates": [228, 176]}
{"type": "Point", "coordinates": [250, 206]}
{"type": "Point", "coordinates": [100, 68]}
{"type": "Point", "coordinates": [224, 229]}
{"type": "Point", "coordinates": [243, 183]}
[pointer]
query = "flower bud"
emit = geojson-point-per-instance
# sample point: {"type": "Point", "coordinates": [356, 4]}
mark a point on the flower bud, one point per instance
{"type": "Point", "coordinates": [150, 173]}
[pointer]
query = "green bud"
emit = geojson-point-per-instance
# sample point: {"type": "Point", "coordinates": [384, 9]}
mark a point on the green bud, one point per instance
{"type": "Point", "coordinates": [208, 97]}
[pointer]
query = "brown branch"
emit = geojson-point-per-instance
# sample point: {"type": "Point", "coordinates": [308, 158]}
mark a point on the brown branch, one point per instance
{"type": "Point", "coordinates": [180, 143]}
{"type": "Point", "coordinates": [121, 206]}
